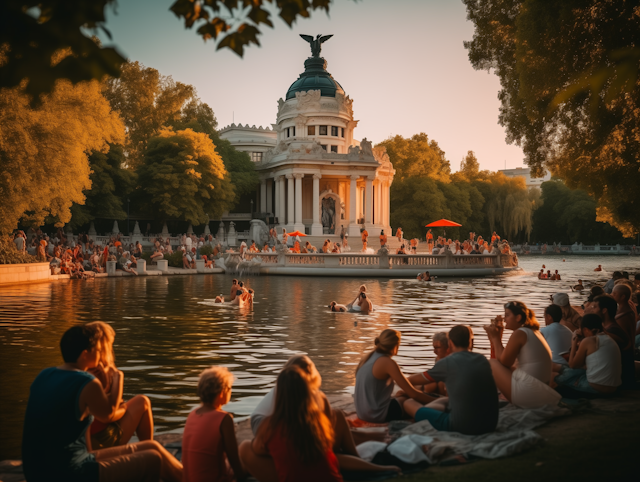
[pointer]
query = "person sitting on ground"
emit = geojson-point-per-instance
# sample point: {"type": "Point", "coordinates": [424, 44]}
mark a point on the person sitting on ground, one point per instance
{"type": "Point", "coordinates": [570, 317]}
{"type": "Point", "coordinates": [63, 402]}
{"type": "Point", "coordinates": [599, 268]}
{"type": "Point", "coordinates": [441, 349]}
{"type": "Point", "coordinates": [375, 375]}
{"type": "Point", "coordinates": [209, 261]}
{"type": "Point", "coordinates": [296, 247]}
{"type": "Point", "coordinates": [472, 405]}
{"type": "Point", "coordinates": [608, 287]}
{"type": "Point", "coordinates": [126, 266]}
{"type": "Point", "coordinates": [265, 248]}
{"type": "Point", "coordinates": [253, 248]}
{"type": "Point", "coordinates": [336, 248]}
{"type": "Point", "coordinates": [526, 386]}
{"type": "Point", "coordinates": [310, 248]}
{"type": "Point", "coordinates": [558, 336]}
{"type": "Point", "coordinates": [209, 444]}
{"type": "Point", "coordinates": [186, 259]}
{"type": "Point", "coordinates": [475, 250]}
{"type": "Point", "coordinates": [271, 409]}
{"type": "Point", "coordinates": [594, 363]}
{"type": "Point", "coordinates": [578, 287]}
{"type": "Point", "coordinates": [625, 318]}
{"type": "Point", "coordinates": [333, 306]}
{"type": "Point", "coordinates": [401, 250]}
{"type": "Point", "coordinates": [133, 416]}
{"type": "Point", "coordinates": [285, 236]}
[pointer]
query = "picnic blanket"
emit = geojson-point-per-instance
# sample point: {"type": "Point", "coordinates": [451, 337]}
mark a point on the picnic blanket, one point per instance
{"type": "Point", "coordinates": [420, 442]}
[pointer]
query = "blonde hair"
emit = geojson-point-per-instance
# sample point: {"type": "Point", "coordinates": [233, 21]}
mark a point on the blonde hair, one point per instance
{"type": "Point", "coordinates": [385, 343]}
{"type": "Point", "coordinates": [306, 364]}
{"type": "Point", "coordinates": [213, 381]}
{"type": "Point", "coordinates": [105, 342]}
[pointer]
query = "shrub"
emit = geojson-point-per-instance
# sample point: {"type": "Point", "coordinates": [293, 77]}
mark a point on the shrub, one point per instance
{"type": "Point", "coordinates": [9, 254]}
{"type": "Point", "coordinates": [174, 259]}
{"type": "Point", "coordinates": [206, 250]}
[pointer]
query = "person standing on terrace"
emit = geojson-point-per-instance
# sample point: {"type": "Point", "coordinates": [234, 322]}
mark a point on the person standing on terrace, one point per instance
{"type": "Point", "coordinates": [383, 239]}
{"type": "Point", "coordinates": [429, 242]}
{"type": "Point", "coordinates": [399, 234]}
{"type": "Point", "coordinates": [364, 235]}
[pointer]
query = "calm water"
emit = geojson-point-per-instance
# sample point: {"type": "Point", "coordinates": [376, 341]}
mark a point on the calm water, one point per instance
{"type": "Point", "coordinates": [168, 329]}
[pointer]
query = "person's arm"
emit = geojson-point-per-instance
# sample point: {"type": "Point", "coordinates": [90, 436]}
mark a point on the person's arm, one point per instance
{"type": "Point", "coordinates": [507, 356]}
{"type": "Point", "coordinates": [387, 366]}
{"type": "Point", "coordinates": [579, 351]}
{"type": "Point", "coordinates": [230, 444]}
{"type": "Point", "coordinates": [259, 442]}
{"type": "Point", "coordinates": [102, 406]}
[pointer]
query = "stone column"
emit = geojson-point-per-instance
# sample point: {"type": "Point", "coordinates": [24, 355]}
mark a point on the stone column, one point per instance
{"type": "Point", "coordinates": [277, 196]}
{"type": "Point", "coordinates": [316, 227]}
{"type": "Point", "coordinates": [388, 205]}
{"type": "Point", "coordinates": [270, 195]}
{"type": "Point", "coordinates": [263, 196]}
{"type": "Point", "coordinates": [368, 199]}
{"type": "Point", "coordinates": [290, 202]}
{"type": "Point", "coordinates": [298, 206]}
{"type": "Point", "coordinates": [354, 227]}
{"type": "Point", "coordinates": [282, 214]}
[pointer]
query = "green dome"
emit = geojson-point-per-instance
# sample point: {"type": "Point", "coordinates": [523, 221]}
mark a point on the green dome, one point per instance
{"type": "Point", "coordinates": [315, 77]}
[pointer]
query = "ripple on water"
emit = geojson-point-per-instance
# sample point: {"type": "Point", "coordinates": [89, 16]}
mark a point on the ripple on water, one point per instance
{"type": "Point", "coordinates": [169, 330]}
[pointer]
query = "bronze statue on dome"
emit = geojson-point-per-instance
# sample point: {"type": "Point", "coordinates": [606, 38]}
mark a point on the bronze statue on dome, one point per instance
{"type": "Point", "coordinates": [316, 44]}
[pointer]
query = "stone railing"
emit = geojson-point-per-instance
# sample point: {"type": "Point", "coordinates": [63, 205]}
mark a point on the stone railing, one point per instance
{"type": "Point", "coordinates": [576, 248]}
{"type": "Point", "coordinates": [382, 261]}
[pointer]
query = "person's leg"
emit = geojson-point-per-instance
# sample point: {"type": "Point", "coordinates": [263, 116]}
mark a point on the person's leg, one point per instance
{"type": "Point", "coordinates": [441, 404]}
{"type": "Point", "coordinates": [261, 467]}
{"type": "Point", "coordinates": [502, 377]}
{"type": "Point", "coordinates": [343, 441]}
{"type": "Point", "coordinates": [355, 463]}
{"type": "Point", "coordinates": [438, 419]}
{"type": "Point", "coordinates": [138, 418]}
{"type": "Point", "coordinates": [411, 406]}
{"type": "Point", "coordinates": [117, 463]}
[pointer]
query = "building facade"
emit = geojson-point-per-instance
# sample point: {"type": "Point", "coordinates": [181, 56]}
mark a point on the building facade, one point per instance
{"type": "Point", "coordinates": [525, 173]}
{"type": "Point", "coordinates": [317, 178]}
{"type": "Point", "coordinates": [253, 140]}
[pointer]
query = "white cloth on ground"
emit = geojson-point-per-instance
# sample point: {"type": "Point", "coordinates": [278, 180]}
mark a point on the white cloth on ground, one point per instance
{"type": "Point", "coordinates": [513, 435]}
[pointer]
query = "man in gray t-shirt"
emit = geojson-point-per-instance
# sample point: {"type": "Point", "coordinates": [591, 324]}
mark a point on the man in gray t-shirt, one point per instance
{"type": "Point", "coordinates": [472, 405]}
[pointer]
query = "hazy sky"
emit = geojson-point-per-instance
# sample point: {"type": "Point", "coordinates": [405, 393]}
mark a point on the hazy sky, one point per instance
{"type": "Point", "coordinates": [402, 61]}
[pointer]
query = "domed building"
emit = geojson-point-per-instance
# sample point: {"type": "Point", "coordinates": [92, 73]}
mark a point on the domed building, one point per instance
{"type": "Point", "coordinates": [317, 178]}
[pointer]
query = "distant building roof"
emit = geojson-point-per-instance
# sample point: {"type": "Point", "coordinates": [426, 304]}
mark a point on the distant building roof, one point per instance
{"type": "Point", "coordinates": [525, 173]}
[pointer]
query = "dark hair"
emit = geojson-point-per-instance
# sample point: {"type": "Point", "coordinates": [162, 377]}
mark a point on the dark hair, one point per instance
{"type": "Point", "coordinates": [555, 312]}
{"type": "Point", "coordinates": [591, 321]}
{"type": "Point", "coordinates": [76, 340]}
{"type": "Point", "coordinates": [528, 316]}
{"type": "Point", "coordinates": [595, 291]}
{"type": "Point", "coordinates": [234, 281]}
{"type": "Point", "coordinates": [363, 295]}
{"type": "Point", "coordinates": [461, 336]}
{"type": "Point", "coordinates": [606, 302]}
{"type": "Point", "coordinates": [241, 284]}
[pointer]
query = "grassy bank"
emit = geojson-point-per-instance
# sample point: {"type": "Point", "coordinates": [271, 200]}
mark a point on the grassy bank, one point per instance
{"type": "Point", "coordinates": [584, 447]}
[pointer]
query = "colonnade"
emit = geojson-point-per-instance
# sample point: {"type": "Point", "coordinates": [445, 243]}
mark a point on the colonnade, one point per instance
{"type": "Point", "coordinates": [288, 202]}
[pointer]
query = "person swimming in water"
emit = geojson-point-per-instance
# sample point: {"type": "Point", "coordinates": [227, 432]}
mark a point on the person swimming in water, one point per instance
{"type": "Point", "coordinates": [335, 307]}
{"type": "Point", "coordinates": [578, 287]}
{"type": "Point", "coordinates": [425, 276]}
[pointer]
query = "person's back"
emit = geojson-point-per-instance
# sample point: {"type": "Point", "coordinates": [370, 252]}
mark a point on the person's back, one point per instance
{"type": "Point", "coordinates": [473, 396]}
{"type": "Point", "coordinates": [603, 365]}
{"type": "Point", "coordinates": [203, 452]}
{"type": "Point", "coordinates": [53, 442]}
{"type": "Point", "coordinates": [372, 396]}
{"type": "Point", "coordinates": [557, 336]}
{"type": "Point", "coordinates": [535, 355]}
{"type": "Point", "coordinates": [292, 469]}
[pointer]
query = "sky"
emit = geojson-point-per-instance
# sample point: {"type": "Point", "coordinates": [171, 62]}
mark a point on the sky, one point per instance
{"type": "Point", "coordinates": [402, 62]}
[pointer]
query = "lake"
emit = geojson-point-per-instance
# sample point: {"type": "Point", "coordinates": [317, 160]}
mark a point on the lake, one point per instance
{"type": "Point", "coordinates": [168, 328]}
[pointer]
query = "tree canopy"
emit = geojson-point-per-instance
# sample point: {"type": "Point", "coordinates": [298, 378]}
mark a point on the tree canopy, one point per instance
{"type": "Point", "coordinates": [43, 151]}
{"type": "Point", "coordinates": [183, 177]}
{"type": "Point", "coordinates": [570, 91]}
{"type": "Point", "coordinates": [31, 32]}
{"type": "Point", "coordinates": [417, 156]}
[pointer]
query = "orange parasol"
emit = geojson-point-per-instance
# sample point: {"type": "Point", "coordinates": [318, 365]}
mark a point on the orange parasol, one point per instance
{"type": "Point", "coordinates": [443, 223]}
{"type": "Point", "coordinates": [296, 233]}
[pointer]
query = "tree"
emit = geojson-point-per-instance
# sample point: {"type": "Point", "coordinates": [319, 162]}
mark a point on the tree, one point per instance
{"type": "Point", "coordinates": [32, 31]}
{"type": "Point", "coordinates": [111, 183]}
{"type": "Point", "coordinates": [183, 177]}
{"type": "Point", "coordinates": [569, 216]}
{"type": "Point", "coordinates": [470, 167]}
{"type": "Point", "coordinates": [148, 101]}
{"type": "Point", "coordinates": [416, 201]}
{"type": "Point", "coordinates": [417, 157]}
{"type": "Point", "coordinates": [570, 91]}
{"type": "Point", "coordinates": [43, 151]}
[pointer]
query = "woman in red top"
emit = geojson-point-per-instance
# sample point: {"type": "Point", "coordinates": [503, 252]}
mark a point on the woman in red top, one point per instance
{"type": "Point", "coordinates": [209, 445]}
{"type": "Point", "coordinates": [297, 439]}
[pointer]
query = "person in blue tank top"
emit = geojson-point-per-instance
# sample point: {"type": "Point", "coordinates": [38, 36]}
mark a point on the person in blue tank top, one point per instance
{"type": "Point", "coordinates": [63, 402]}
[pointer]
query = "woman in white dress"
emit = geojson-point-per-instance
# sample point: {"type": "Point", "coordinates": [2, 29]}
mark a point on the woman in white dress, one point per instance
{"type": "Point", "coordinates": [522, 369]}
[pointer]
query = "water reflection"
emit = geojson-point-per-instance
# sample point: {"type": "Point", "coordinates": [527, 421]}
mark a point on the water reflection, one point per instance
{"type": "Point", "coordinates": [168, 329]}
